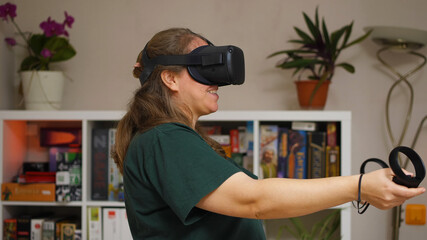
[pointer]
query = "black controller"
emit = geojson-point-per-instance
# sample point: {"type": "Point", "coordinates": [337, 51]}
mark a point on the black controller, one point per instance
{"type": "Point", "coordinates": [400, 177]}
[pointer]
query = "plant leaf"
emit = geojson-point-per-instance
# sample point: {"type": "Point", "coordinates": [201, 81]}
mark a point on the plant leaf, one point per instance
{"type": "Point", "coordinates": [313, 29]}
{"type": "Point", "coordinates": [298, 226]}
{"type": "Point", "coordinates": [358, 40]}
{"type": "Point", "coordinates": [335, 38]}
{"type": "Point", "coordinates": [36, 43]}
{"type": "Point", "coordinates": [326, 223]}
{"type": "Point", "coordinates": [297, 41]}
{"type": "Point", "coordinates": [325, 34]}
{"type": "Point", "coordinates": [316, 17]}
{"type": "Point", "coordinates": [301, 51]}
{"type": "Point", "coordinates": [347, 34]}
{"type": "Point", "coordinates": [291, 231]}
{"type": "Point", "coordinates": [335, 225]}
{"type": "Point", "coordinates": [29, 63]}
{"type": "Point", "coordinates": [60, 48]}
{"type": "Point", "coordinates": [304, 36]}
{"type": "Point", "coordinates": [300, 63]}
{"type": "Point", "coordinates": [348, 67]}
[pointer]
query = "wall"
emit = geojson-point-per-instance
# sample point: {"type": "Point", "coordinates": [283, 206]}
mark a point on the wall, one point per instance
{"type": "Point", "coordinates": [108, 35]}
{"type": "Point", "coordinates": [7, 66]}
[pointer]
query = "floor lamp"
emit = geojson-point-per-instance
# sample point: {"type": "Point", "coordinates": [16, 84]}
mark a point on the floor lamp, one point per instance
{"type": "Point", "coordinates": [404, 41]}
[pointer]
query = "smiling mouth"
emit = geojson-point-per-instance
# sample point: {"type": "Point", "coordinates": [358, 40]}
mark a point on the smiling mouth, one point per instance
{"type": "Point", "coordinates": [213, 91]}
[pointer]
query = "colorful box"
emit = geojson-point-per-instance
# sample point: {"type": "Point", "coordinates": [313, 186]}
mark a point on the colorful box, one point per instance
{"type": "Point", "coordinates": [43, 192]}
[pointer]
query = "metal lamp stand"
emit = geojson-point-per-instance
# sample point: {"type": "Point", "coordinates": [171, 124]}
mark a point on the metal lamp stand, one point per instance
{"type": "Point", "coordinates": [389, 39]}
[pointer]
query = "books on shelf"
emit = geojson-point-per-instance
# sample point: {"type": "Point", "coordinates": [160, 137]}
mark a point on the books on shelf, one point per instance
{"type": "Point", "coordinates": [106, 223]}
{"type": "Point", "coordinates": [94, 223]}
{"type": "Point", "coordinates": [332, 151]}
{"type": "Point", "coordinates": [54, 137]}
{"type": "Point", "coordinates": [27, 227]}
{"type": "Point", "coordinates": [248, 143]}
{"type": "Point", "coordinates": [68, 176]}
{"type": "Point", "coordinates": [236, 141]}
{"type": "Point", "coordinates": [99, 184]}
{"type": "Point", "coordinates": [44, 192]}
{"type": "Point", "coordinates": [124, 225]}
{"type": "Point", "coordinates": [224, 140]}
{"type": "Point", "coordinates": [9, 229]}
{"type": "Point", "coordinates": [37, 177]}
{"type": "Point", "coordinates": [35, 167]}
{"type": "Point", "coordinates": [67, 231]}
{"type": "Point", "coordinates": [23, 227]}
{"type": "Point", "coordinates": [269, 135]}
{"type": "Point", "coordinates": [67, 228]}
{"type": "Point", "coordinates": [59, 178]}
{"type": "Point", "coordinates": [49, 228]}
{"type": "Point", "coordinates": [106, 179]}
{"type": "Point", "coordinates": [316, 153]}
{"type": "Point", "coordinates": [36, 228]}
{"type": "Point", "coordinates": [304, 126]}
{"type": "Point", "coordinates": [297, 159]}
{"type": "Point", "coordinates": [282, 158]}
{"type": "Point", "coordinates": [115, 224]}
{"type": "Point", "coordinates": [111, 223]}
{"type": "Point", "coordinates": [56, 153]}
{"type": "Point", "coordinates": [114, 176]}
{"type": "Point", "coordinates": [304, 149]}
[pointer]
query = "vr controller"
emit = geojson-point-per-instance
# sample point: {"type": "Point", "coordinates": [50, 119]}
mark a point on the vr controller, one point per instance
{"type": "Point", "coordinates": [209, 65]}
{"type": "Point", "coordinates": [400, 177]}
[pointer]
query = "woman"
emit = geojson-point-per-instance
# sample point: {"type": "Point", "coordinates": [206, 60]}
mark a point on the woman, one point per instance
{"type": "Point", "coordinates": [178, 184]}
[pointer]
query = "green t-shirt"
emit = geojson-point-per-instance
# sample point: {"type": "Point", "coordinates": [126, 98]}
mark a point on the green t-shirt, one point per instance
{"type": "Point", "coordinates": [167, 171]}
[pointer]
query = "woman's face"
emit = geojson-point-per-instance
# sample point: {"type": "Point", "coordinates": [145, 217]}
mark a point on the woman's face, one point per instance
{"type": "Point", "coordinates": [201, 99]}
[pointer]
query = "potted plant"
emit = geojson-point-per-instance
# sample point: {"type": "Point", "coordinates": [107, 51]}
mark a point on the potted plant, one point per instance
{"type": "Point", "coordinates": [315, 57]}
{"type": "Point", "coordinates": [41, 87]}
{"type": "Point", "coordinates": [324, 229]}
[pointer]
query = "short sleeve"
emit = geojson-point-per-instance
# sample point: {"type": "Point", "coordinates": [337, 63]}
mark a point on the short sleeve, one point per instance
{"type": "Point", "coordinates": [183, 169]}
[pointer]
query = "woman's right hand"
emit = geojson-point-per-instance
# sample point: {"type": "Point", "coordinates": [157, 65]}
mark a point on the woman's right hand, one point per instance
{"type": "Point", "coordinates": [379, 190]}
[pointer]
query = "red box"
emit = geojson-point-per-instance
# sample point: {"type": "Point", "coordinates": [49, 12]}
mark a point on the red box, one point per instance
{"type": "Point", "coordinates": [42, 192]}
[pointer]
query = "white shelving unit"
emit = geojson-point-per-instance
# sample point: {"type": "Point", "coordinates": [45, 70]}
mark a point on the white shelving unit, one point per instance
{"type": "Point", "coordinates": [14, 129]}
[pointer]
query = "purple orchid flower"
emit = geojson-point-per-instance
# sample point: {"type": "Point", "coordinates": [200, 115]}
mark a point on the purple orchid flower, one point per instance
{"type": "Point", "coordinates": [51, 33]}
{"type": "Point", "coordinates": [52, 28]}
{"type": "Point", "coordinates": [10, 41]}
{"type": "Point", "coordinates": [6, 10]}
{"type": "Point", "coordinates": [69, 20]}
{"type": "Point", "coordinates": [46, 53]}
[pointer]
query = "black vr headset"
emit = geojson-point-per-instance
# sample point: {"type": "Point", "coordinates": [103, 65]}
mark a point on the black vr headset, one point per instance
{"type": "Point", "coordinates": [209, 65]}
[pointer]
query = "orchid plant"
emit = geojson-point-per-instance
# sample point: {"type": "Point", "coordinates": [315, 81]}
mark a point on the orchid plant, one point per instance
{"type": "Point", "coordinates": [50, 46]}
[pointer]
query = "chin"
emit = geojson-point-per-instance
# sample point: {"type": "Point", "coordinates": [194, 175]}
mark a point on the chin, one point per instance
{"type": "Point", "coordinates": [210, 110]}
{"type": "Point", "coordinates": [214, 109]}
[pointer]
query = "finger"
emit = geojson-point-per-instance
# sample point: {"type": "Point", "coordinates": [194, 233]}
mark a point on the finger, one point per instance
{"type": "Point", "coordinates": [407, 193]}
{"type": "Point", "coordinates": [407, 172]}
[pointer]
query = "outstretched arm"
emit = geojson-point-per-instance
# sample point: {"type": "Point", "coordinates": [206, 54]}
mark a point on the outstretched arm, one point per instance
{"type": "Point", "coordinates": [242, 196]}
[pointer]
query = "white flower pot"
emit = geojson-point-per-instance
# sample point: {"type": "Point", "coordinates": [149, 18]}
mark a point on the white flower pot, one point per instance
{"type": "Point", "coordinates": [43, 90]}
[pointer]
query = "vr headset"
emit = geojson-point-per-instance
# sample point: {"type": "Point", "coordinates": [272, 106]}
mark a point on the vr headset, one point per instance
{"type": "Point", "coordinates": [209, 65]}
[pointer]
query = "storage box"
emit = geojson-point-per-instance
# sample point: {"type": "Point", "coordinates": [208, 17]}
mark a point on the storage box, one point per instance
{"type": "Point", "coordinates": [44, 192]}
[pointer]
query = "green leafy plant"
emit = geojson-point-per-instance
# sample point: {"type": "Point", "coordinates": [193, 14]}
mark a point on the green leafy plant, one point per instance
{"type": "Point", "coordinates": [318, 51]}
{"type": "Point", "coordinates": [322, 230]}
{"type": "Point", "coordinates": [50, 46]}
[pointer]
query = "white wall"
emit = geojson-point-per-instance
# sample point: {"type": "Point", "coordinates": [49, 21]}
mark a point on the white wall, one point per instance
{"type": "Point", "coordinates": [7, 66]}
{"type": "Point", "coordinates": [108, 35]}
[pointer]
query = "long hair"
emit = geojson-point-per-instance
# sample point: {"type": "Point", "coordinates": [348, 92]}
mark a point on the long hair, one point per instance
{"type": "Point", "coordinates": [152, 103]}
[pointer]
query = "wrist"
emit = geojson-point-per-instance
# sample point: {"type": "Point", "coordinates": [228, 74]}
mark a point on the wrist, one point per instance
{"type": "Point", "coordinates": [360, 205]}
{"type": "Point", "coordinates": [356, 187]}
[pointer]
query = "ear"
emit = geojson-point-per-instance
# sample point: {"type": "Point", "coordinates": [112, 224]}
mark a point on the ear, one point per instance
{"type": "Point", "coordinates": [169, 78]}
